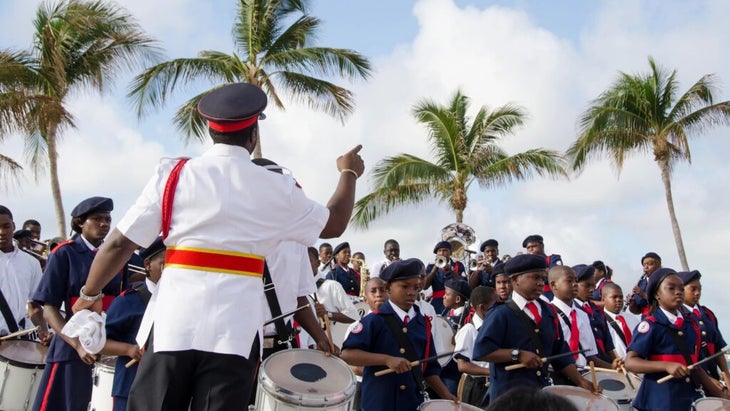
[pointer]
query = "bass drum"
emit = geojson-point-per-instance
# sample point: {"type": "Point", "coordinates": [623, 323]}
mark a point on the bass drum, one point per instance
{"type": "Point", "coordinates": [101, 392]}
{"type": "Point", "coordinates": [297, 380]}
{"type": "Point", "coordinates": [21, 367]}
{"type": "Point", "coordinates": [340, 329]}
{"type": "Point", "coordinates": [443, 338]}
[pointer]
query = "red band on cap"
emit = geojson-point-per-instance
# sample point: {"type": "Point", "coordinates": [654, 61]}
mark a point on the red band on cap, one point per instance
{"type": "Point", "coordinates": [229, 127]}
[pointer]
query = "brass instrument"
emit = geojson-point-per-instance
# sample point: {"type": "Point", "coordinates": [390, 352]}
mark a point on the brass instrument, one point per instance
{"type": "Point", "coordinates": [364, 275]}
{"type": "Point", "coordinates": [441, 262]}
{"type": "Point", "coordinates": [461, 237]}
{"type": "Point", "coordinates": [37, 255]}
{"type": "Point", "coordinates": [473, 265]}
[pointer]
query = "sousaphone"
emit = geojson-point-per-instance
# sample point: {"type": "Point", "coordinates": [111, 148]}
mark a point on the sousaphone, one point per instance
{"type": "Point", "coordinates": [461, 237]}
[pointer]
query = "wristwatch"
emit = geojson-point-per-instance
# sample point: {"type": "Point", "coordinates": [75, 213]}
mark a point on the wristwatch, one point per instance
{"type": "Point", "coordinates": [515, 354]}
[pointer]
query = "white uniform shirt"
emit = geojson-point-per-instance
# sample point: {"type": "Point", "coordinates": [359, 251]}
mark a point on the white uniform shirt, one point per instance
{"type": "Point", "coordinates": [292, 278]}
{"type": "Point", "coordinates": [618, 342]}
{"type": "Point", "coordinates": [586, 340]}
{"type": "Point", "coordinates": [20, 274]}
{"type": "Point", "coordinates": [376, 268]}
{"type": "Point", "coordinates": [226, 203]}
{"type": "Point", "coordinates": [334, 299]}
{"type": "Point", "coordinates": [465, 339]}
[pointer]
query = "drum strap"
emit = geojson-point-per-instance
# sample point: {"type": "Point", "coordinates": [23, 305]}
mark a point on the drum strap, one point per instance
{"type": "Point", "coordinates": [283, 331]}
{"type": "Point", "coordinates": [684, 350]}
{"type": "Point", "coordinates": [567, 322]}
{"type": "Point", "coordinates": [395, 327]}
{"type": "Point", "coordinates": [618, 330]}
{"type": "Point", "coordinates": [8, 314]}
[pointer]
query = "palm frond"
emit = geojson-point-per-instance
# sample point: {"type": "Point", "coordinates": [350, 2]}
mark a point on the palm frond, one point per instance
{"type": "Point", "coordinates": [506, 169]}
{"type": "Point", "coordinates": [317, 94]}
{"type": "Point", "coordinates": [381, 202]}
{"type": "Point", "coordinates": [321, 61]}
{"type": "Point", "coordinates": [189, 122]}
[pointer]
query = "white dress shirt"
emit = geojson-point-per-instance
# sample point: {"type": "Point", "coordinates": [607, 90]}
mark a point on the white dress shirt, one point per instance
{"type": "Point", "coordinates": [20, 274]}
{"type": "Point", "coordinates": [466, 337]}
{"type": "Point", "coordinates": [377, 267]}
{"type": "Point", "coordinates": [223, 202]}
{"type": "Point", "coordinates": [586, 340]}
{"type": "Point", "coordinates": [618, 341]}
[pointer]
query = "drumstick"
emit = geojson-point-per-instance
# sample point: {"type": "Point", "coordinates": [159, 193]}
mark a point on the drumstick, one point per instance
{"type": "Point", "coordinates": [628, 377]}
{"type": "Point", "coordinates": [417, 362]}
{"type": "Point", "coordinates": [727, 379]}
{"type": "Point", "coordinates": [692, 366]}
{"type": "Point", "coordinates": [601, 369]}
{"type": "Point", "coordinates": [329, 332]}
{"type": "Point", "coordinates": [20, 333]}
{"type": "Point", "coordinates": [593, 376]}
{"type": "Point", "coordinates": [543, 359]}
{"type": "Point", "coordinates": [130, 363]}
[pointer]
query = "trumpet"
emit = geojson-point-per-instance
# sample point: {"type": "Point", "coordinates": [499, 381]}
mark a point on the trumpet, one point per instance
{"type": "Point", "coordinates": [35, 254]}
{"type": "Point", "coordinates": [473, 265]}
{"type": "Point", "coordinates": [441, 262]}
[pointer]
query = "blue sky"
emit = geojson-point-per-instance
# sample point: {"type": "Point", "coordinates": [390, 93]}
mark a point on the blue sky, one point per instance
{"type": "Point", "coordinates": [552, 57]}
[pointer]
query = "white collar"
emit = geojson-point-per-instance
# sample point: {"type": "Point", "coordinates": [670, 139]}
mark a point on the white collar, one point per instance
{"type": "Point", "coordinates": [610, 314]}
{"type": "Point", "coordinates": [402, 314]}
{"type": "Point", "coordinates": [671, 317]}
{"type": "Point", "coordinates": [521, 301]}
{"type": "Point", "coordinates": [696, 307]}
{"type": "Point", "coordinates": [565, 308]}
{"type": "Point", "coordinates": [88, 244]}
{"type": "Point", "coordinates": [477, 321]}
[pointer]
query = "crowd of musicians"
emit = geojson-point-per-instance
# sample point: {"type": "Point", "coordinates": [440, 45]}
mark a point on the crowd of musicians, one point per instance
{"type": "Point", "coordinates": [213, 269]}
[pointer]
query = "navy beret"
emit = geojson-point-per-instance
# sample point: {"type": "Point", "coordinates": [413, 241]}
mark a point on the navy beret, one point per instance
{"type": "Point", "coordinates": [524, 263]}
{"type": "Point", "coordinates": [340, 246]}
{"type": "Point", "coordinates": [17, 235]}
{"type": "Point", "coordinates": [535, 238]}
{"type": "Point", "coordinates": [489, 243]}
{"type": "Point", "coordinates": [656, 278]}
{"type": "Point", "coordinates": [583, 272]}
{"type": "Point", "coordinates": [155, 248]}
{"type": "Point", "coordinates": [441, 244]}
{"type": "Point", "coordinates": [599, 265]}
{"type": "Point", "coordinates": [91, 205]}
{"type": "Point", "coordinates": [498, 269]}
{"type": "Point", "coordinates": [459, 286]}
{"type": "Point", "coordinates": [651, 255]}
{"type": "Point", "coordinates": [689, 276]}
{"type": "Point", "coordinates": [402, 270]}
{"type": "Point", "coordinates": [232, 107]}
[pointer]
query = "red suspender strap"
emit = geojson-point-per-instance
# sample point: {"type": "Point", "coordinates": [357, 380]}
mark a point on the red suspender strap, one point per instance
{"type": "Point", "coordinates": [428, 341]}
{"type": "Point", "coordinates": [168, 196]}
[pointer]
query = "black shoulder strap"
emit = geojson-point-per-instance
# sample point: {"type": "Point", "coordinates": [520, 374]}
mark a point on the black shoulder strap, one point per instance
{"type": "Point", "coordinates": [319, 282]}
{"type": "Point", "coordinates": [8, 314]}
{"type": "Point", "coordinates": [562, 315]}
{"type": "Point", "coordinates": [530, 324]}
{"type": "Point", "coordinates": [144, 293]}
{"type": "Point", "coordinates": [395, 327]}
{"type": "Point", "coordinates": [618, 329]}
{"type": "Point", "coordinates": [282, 329]}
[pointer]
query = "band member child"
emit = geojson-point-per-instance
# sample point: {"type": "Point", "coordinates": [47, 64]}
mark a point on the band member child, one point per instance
{"type": "Point", "coordinates": [639, 303]}
{"type": "Point", "coordinates": [391, 338]}
{"type": "Point", "coordinates": [666, 342]}
{"type": "Point", "coordinates": [123, 319]}
{"type": "Point", "coordinates": [621, 326]}
{"type": "Point", "coordinates": [66, 382]}
{"type": "Point", "coordinates": [456, 305]}
{"type": "Point", "coordinates": [342, 273]}
{"type": "Point", "coordinates": [502, 284]}
{"type": "Point", "coordinates": [523, 330]}
{"type": "Point", "coordinates": [706, 320]}
{"type": "Point", "coordinates": [436, 277]}
{"type": "Point", "coordinates": [477, 372]}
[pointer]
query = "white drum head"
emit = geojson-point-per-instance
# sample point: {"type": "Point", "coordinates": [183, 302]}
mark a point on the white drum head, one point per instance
{"type": "Point", "coordinates": [446, 405]}
{"type": "Point", "coordinates": [23, 353]}
{"type": "Point", "coordinates": [583, 399]}
{"type": "Point", "coordinates": [615, 386]}
{"type": "Point", "coordinates": [711, 404]}
{"type": "Point", "coordinates": [307, 378]}
{"type": "Point", "coordinates": [443, 338]}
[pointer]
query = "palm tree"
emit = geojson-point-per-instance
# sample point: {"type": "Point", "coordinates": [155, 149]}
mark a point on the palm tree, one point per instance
{"type": "Point", "coordinates": [269, 55]}
{"type": "Point", "coordinates": [645, 113]}
{"type": "Point", "coordinates": [9, 170]}
{"type": "Point", "coordinates": [463, 153]}
{"type": "Point", "coordinates": [77, 45]}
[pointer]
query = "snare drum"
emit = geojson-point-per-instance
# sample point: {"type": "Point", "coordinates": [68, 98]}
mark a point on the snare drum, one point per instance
{"type": "Point", "coordinates": [301, 379]}
{"type": "Point", "coordinates": [446, 405]}
{"type": "Point", "coordinates": [617, 388]}
{"type": "Point", "coordinates": [711, 404]}
{"type": "Point", "coordinates": [583, 399]}
{"type": "Point", "coordinates": [443, 338]}
{"type": "Point", "coordinates": [340, 329]}
{"type": "Point", "coordinates": [21, 367]}
{"type": "Point", "coordinates": [101, 392]}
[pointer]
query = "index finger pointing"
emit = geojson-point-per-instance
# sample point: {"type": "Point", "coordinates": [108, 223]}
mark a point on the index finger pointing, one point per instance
{"type": "Point", "coordinates": [356, 149]}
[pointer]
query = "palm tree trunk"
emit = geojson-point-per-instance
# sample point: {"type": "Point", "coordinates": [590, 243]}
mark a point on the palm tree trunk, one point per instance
{"type": "Point", "coordinates": [459, 216]}
{"type": "Point", "coordinates": [257, 149]}
{"type": "Point", "coordinates": [664, 167]}
{"type": "Point", "coordinates": [55, 185]}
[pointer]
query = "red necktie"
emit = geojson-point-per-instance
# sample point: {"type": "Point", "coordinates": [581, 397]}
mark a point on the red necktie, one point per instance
{"type": "Point", "coordinates": [405, 320]}
{"type": "Point", "coordinates": [574, 333]}
{"type": "Point", "coordinates": [696, 312]}
{"type": "Point", "coordinates": [679, 322]}
{"type": "Point", "coordinates": [533, 309]}
{"type": "Point", "coordinates": [451, 313]}
{"type": "Point", "coordinates": [588, 308]}
{"type": "Point", "coordinates": [625, 328]}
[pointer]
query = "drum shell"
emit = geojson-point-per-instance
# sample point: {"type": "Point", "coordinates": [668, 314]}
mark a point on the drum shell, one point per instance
{"type": "Point", "coordinates": [446, 405]}
{"type": "Point", "coordinates": [21, 367]}
{"type": "Point", "coordinates": [584, 400]}
{"type": "Point", "coordinates": [101, 392]}
{"type": "Point", "coordinates": [279, 390]}
{"type": "Point", "coordinates": [616, 387]}
{"type": "Point", "coordinates": [711, 404]}
{"type": "Point", "coordinates": [443, 340]}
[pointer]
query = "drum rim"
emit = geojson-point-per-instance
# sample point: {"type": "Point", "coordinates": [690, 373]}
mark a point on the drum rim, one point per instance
{"type": "Point", "coordinates": [579, 389]}
{"type": "Point", "coordinates": [462, 405]}
{"type": "Point", "coordinates": [22, 364]}
{"type": "Point", "coordinates": [627, 399]}
{"type": "Point", "coordinates": [266, 384]}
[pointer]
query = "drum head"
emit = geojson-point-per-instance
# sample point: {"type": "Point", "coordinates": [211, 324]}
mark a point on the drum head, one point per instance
{"type": "Point", "coordinates": [446, 405]}
{"type": "Point", "coordinates": [106, 361]}
{"type": "Point", "coordinates": [615, 386]}
{"type": "Point", "coordinates": [583, 399]}
{"type": "Point", "coordinates": [307, 378]}
{"type": "Point", "coordinates": [443, 337]}
{"type": "Point", "coordinates": [23, 353]}
{"type": "Point", "coordinates": [711, 404]}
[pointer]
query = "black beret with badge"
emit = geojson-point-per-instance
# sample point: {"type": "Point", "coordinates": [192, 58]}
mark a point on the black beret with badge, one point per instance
{"type": "Point", "coordinates": [93, 205]}
{"type": "Point", "coordinates": [689, 276]}
{"type": "Point", "coordinates": [525, 263]}
{"type": "Point", "coordinates": [232, 107]}
{"type": "Point", "coordinates": [535, 238]}
{"type": "Point", "coordinates": [459, 287]}
{"type": "Point", "coordinates": [583, 272]}
{"type": "Point", "coordinates": [489, 243]}
{"type": "Point", "coordinates": [440, 245]}
{"type": "Point", "coordinates": [340, 247]}
{"type": "Point", "coordinates": [402, 270]}
{"type": "Point", "coordinates": [655, 279]}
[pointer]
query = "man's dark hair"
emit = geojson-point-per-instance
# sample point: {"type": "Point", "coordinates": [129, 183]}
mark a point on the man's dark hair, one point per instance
{"type": "Point", "coordinates": [392, 242]}
{"type": "Point", "coordinates": [530, 399]}
{"type": "Point", "coordinates": [233, 138]}
{"type": "Point", "coordinates": [323, 245]}
{"type": "Point", "coordinates": [31, 222]}
{"type": "Point", "coordinates": [5, 211]}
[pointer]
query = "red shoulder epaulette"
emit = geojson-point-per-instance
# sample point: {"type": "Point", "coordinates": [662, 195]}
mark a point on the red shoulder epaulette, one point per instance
{"type": "Point", "coordinates": [59, 245]}
{"type": "Point", "coordinates": [709, 313]}
{"type": "Point", "coordinates": [650, 318]}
